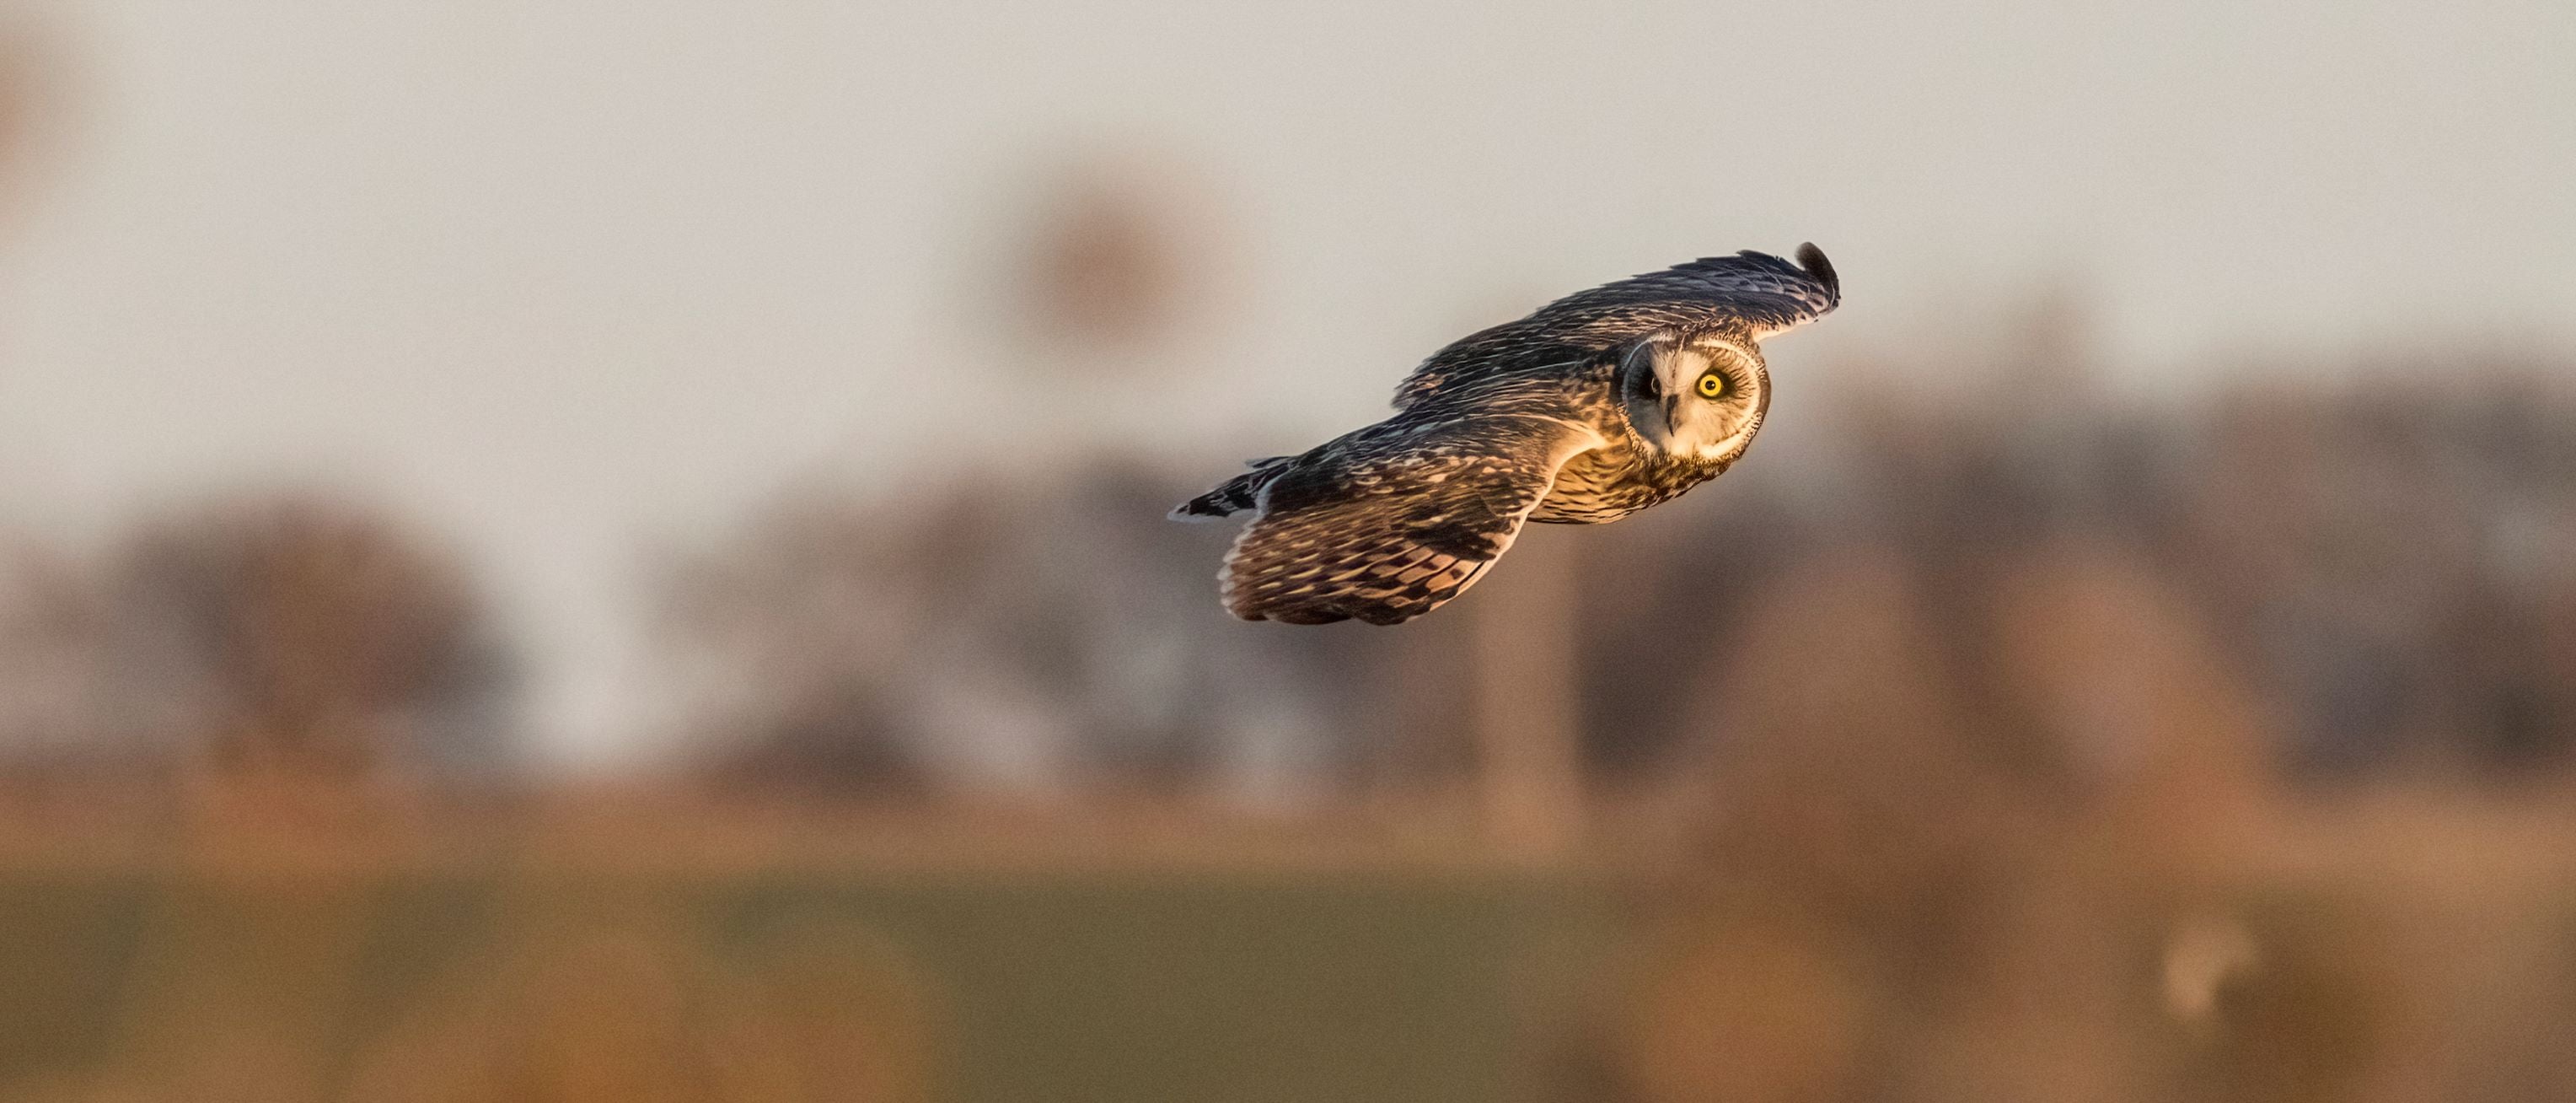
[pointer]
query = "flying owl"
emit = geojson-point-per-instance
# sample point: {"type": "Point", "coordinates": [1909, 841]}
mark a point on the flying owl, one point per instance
{"type": "Point", "coordinates": [1596, 406]}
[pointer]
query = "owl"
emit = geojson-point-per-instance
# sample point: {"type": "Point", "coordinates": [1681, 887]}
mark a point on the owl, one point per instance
{"type": "Point", "coordinates": [1593, 407]}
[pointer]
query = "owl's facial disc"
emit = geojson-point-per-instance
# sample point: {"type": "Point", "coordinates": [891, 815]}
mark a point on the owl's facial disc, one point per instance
{"type": "Point", "coordinates": [1643, 397]}
{"type": "Point", "coordinates": [1700, 399]}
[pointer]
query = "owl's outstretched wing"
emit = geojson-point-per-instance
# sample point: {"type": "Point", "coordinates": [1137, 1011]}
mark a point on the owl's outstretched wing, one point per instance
{"type": "Point", "coordinates": [1771, 295]}
{"type": "Point", "coordinates": [1762, 293]}
{"type": "Point", "coordinates": [1389, 522]}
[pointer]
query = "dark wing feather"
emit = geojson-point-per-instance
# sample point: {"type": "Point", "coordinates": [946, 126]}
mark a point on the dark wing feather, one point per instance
{"type": "Point", "coordinates": [1389, 522]}
{"type": "Point", "coordinates": [1765, 291]}
{"type": "Point", "coordinates": [1757, 291]}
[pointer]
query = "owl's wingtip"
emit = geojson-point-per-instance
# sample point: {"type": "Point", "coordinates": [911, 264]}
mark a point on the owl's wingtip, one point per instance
{"type": "Point", "coordinates": [1813, 260]}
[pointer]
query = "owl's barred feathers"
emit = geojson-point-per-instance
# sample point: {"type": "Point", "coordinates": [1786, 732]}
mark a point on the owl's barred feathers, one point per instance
{"type": "Point", "coordinates": [1394, 521]}
{"type": "Point", "coordinates": [1387, 522]}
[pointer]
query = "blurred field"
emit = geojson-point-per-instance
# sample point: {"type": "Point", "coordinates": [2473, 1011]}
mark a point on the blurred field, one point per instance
{"type": "Point", "coordinates": [2196, 937]}
{"type": "Point", "coordinates": [635, 954]}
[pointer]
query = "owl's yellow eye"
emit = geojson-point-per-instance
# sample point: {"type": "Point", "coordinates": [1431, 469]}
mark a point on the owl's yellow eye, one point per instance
{"type": "Point", "coordinates": [1712, 385]}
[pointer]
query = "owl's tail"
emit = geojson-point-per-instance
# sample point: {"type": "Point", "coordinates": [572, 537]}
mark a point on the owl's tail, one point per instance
{"type": "Point", "coordinates": [1234, 495]}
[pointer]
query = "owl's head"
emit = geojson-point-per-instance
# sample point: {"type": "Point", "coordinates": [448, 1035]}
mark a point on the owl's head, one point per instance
{"type": "Point", "coordinates": [1694, 397]}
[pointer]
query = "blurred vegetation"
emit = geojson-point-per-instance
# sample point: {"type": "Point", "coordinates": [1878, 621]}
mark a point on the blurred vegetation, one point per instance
{"type": "Point", "coordinates": [1970, 749]}
{"type": "Point", "coordinates": [291, 631]}
{"type": "Point", "coordinates": [2391, 584]}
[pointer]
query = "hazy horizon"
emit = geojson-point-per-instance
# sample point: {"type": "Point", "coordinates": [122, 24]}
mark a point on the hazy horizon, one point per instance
{"type": "Point", "coordinates": [575, 284]}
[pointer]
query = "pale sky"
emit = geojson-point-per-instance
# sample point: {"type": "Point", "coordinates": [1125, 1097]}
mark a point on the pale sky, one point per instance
{"type": "Point", "coordinates": [572, 283]}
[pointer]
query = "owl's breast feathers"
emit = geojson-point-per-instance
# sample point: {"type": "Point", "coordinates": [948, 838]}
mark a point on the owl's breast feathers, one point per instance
{"type": "Point", "coordinates": [1615, 480]}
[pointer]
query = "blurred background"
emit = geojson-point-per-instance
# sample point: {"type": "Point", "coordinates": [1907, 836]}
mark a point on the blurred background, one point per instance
{"type": "Point", "coordinates": [602, 551]}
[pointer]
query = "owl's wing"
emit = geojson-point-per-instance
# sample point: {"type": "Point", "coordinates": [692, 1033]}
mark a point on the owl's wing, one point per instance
{"type": "Point", "coordinates": [1766, 294]}
{"type": "Point", "coordinates": [1389, 522]}
{"type": "Point", "coordinates": [1771, 295]}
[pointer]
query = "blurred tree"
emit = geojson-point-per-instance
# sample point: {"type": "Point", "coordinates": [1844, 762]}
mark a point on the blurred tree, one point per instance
{"type": "Point", "coordinates": [32, 101]}
{"type": "Point", "coordinates": [1035, 633]}
{"type": "Point", "coordinates": [52, 630]}
{"type": "Point", "coordinates": [309, 633]}
{"type": "Point", "coordinates": [2395, 576]}
{"type": "Point", "coordinates": [1115, 255]}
